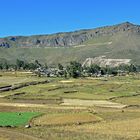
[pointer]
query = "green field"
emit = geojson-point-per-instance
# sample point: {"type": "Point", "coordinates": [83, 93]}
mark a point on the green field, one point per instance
{"type": "Point", "coordinates": [16, 118]}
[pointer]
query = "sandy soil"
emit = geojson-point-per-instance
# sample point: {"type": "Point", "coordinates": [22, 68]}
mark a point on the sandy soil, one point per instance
{"type": "Point", "coordinates": [100, 103]}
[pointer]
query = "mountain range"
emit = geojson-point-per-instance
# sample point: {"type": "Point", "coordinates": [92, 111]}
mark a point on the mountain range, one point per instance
{"type": "Point", "coordinates": [121, 41]}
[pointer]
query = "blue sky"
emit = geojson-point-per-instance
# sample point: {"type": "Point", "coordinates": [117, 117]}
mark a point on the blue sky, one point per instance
{"type": "Point", "coordinates": [27, 17]}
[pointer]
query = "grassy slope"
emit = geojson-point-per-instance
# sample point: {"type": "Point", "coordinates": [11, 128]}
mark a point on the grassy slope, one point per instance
{"type": "Point", "coordinates": [123, 46]}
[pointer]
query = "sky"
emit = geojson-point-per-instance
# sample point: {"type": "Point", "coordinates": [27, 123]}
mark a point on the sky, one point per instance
{"type": "Point", "coordinates": [31, 17]}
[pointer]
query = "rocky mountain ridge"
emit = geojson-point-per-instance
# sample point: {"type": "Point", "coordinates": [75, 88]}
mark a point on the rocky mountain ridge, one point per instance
{"type": "Point", "coordinates": [68, 39]}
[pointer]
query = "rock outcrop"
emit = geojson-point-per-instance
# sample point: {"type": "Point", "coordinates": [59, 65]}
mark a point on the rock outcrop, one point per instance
{"type": "Point", "coordinates": [67, 39]}
{"type": "Point", "coordinates": [103, 61]}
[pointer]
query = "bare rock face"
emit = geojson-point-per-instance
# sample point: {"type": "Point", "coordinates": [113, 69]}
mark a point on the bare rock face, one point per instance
{"type": "Point", "coordinates": [4, 44]}
{"type": "Point", "coordinates": [68, 39]}
{"type": "Point", "coordinates": [103, 61]}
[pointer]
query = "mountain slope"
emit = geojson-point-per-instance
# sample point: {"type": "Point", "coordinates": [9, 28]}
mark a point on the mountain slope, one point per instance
{"type": "Point", "coordinates": [118, 41]}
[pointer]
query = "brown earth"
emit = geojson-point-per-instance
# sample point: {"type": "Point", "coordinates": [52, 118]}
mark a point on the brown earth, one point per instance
{"type": "Point", "coordinates": [6, 134]}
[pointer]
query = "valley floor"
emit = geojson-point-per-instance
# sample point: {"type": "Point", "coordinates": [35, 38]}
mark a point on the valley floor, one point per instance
{"type": "Point", "coordinates": [73, 109]}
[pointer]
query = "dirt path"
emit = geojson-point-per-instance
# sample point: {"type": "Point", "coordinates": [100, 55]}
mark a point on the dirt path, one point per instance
{"type": "Point", "coordinates": [6, 134]}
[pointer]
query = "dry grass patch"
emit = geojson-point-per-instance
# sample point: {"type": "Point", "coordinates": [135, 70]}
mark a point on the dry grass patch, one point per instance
{"type": "Point", "coordinates": [132, 100]}
{"type": "Point", "coordinates": [66, 119]}
{"type": "Point", "coordinates": [100, 103]}
{"type": "Point", "coordinates": [130, 129]}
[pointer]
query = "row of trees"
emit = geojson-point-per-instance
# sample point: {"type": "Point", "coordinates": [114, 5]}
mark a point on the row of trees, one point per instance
{"type": "Point", "coordinates": [73, 69]}
{"type": "Point", "coordinates": [20, 64]}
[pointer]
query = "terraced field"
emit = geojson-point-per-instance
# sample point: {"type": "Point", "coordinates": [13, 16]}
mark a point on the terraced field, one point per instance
{"type": "Point", "coordinates": [80, 109]}
{"type": "Point", "coordinates": [100, 103]}
{"type": "Point", "coordinates": [16, 118]}
{"type": "Point", "coordinates": [66, 119]}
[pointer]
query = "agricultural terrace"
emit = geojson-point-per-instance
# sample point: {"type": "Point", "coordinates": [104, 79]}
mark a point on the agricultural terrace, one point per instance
{"type": "Point", "coordinates": [65, 109]}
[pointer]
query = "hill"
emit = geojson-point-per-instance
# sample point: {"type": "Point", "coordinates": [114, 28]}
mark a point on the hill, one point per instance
{"type": "Point", "coordinates": [119, 41]}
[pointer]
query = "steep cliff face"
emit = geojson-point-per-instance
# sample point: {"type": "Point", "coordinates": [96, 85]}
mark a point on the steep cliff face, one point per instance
{"type": "Point", "coordinates": [68, 39]}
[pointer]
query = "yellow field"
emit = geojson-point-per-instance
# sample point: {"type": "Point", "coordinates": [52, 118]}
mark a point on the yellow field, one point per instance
{"type": "Point", "coordinates": [126, 128]}
{"type": "Point", "coordinates": [65, 119]}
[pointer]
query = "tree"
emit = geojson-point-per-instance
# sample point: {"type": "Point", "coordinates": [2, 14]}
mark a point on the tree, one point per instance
{"type": "Point", "coordinates": [1, 67]}
{"type": "Point", "coordinates": [37, 63]}
{"type": "Point", "coordinates": [74, 69]}
{"type": "Point", "coordinates": [132, 68]}
{"type": "Point", "coordinates": [138, 68]}
{"type": "Point", "coordinates": [123, 68]}
{"type": "Point", "coordinates": [103, 71]}
{"type": "Point", "coordinates": [32, 66]}
{"type": "Point", "coordinates": [60, 66]}
{"type": "Point", "coordinates": [112, 70]}
{"type": "Point", "coordinates": [94, 69]}
{"type": "Point", "coordinates": [5, 66]}
{"type": "Point", "coordinates": [20, 64]}
{"type": "Point", "coordinates": [65, 73]}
